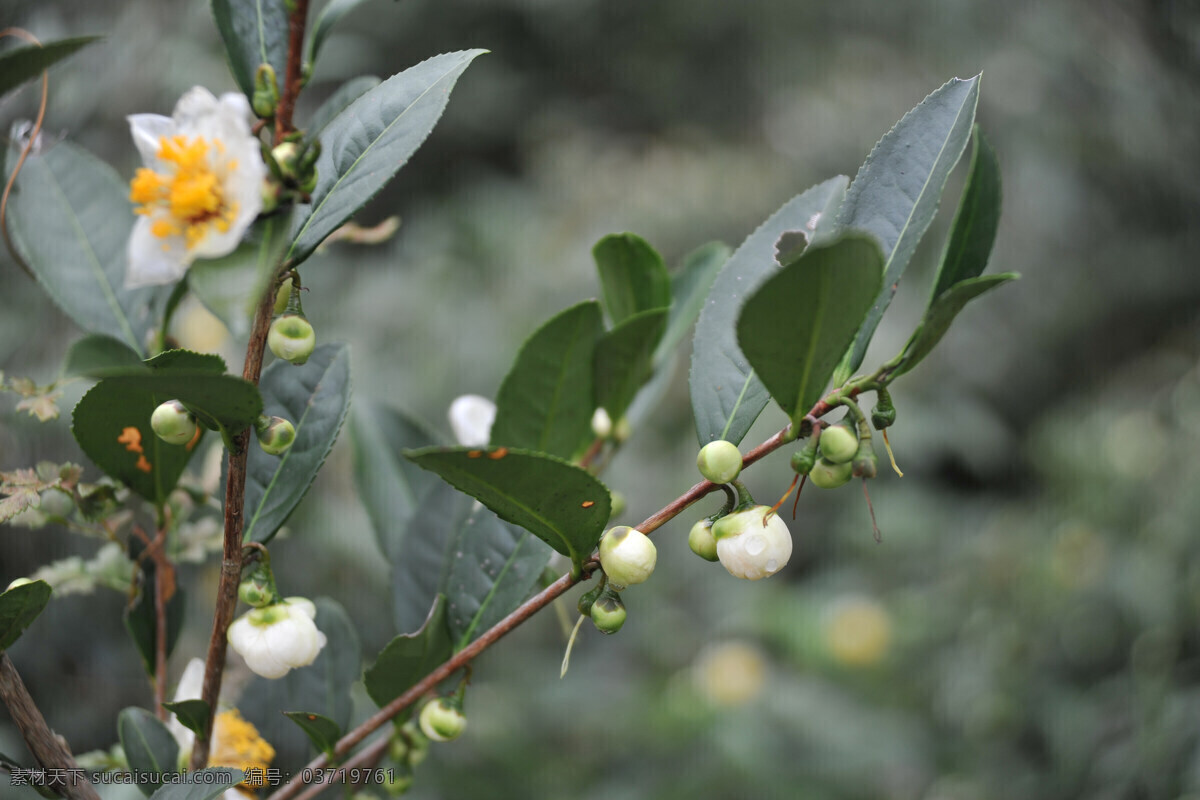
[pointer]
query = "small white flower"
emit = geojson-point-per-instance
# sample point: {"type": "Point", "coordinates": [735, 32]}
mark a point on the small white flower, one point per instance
{"type": "Point", "coordinates": [471, 418]}
{"type": "Point", "coordinates": [749, 549]}
{"type": "Point", "coordinates": [200, 189]}
{"type": "Point", "coordinates": [278, 638]}
{"type": "Point", "coordinates": [627, 555]}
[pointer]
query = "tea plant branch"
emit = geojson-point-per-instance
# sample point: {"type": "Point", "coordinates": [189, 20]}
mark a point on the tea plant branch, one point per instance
{"type": "Point", "coordinates": [49, 751]}
{"type": "Point", "coordinates": [294, 77]}
{"type": "Point", "coordinates": [292, 789]}
{"type": "Point", "coordinates": [364, 759]}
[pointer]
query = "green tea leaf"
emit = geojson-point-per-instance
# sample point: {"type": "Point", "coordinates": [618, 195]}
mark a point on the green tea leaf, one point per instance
{"type": "Point", "coordinates": [632, 275]}
{"type": "Point", "coordinates": [494, 568]}
{"type": "Point", "coordinates": [323, 687]}
{"type": "Point", "coordinates": [689, 287]}
{"type": "Point", "coordinates": [25, 63]}
{"type": "Point", "coordinates": [409, 657]}
{"type": "Point", "coordinates": [231, 286]}
{"type": "Point", "coordinates": [337, 102]}
{"type": "Point", "coordinates": [149, 746]}
{"type": "Point", "coordinates": [321, 731]}
{"type": "Point", "coordinates": [975, 222]}
{"type": "Point", "coordinates": [333, 11]}
{"type": "Point", "coordinates": [560, 503]}
{"type": "Point", "coordinates": [70, 219]}
{"type": "Point", "coordinates": [896, 192]}
{"type": "Point", "coordinates": [941, 313]}
{"type": "Point", "coordinates": [100, 356]}
{"type": "Point", "coordinates": [389, 485]}
{"type": "Point", "coordinates": [254, 33]}
{"type": "Point", "coordinates": [186, 361]}
{"type": "Point", "coordinates": [365, 145]}
{"type": "Point", "coordinates": [726, 394]}
{"type": "Point", "coordinates": [192, 714]}
{"type": "Point", "coordinates": [546, 401]}
{"type": "Point", "coordinates": [19, 607]}
{"type": "Point", "coordinates": [623, 359]}
{"type": "Point", "coordinates": [796, 326]}
{"type": "Point", "coordinates": [422, 564]}
{"type": "Point", "coordinates": [315, 398]}
{"type": "Point", "coordinates": [140, 618]}
{"type": "Point", "coordinates": [204, 784]}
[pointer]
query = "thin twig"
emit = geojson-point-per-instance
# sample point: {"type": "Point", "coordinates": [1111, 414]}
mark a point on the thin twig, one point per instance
{"type": "Point", "coordinates": [160, 624]}
{"type": "Point", "coordinates": [364, 759]}
{"type": "Point", "coordinates": [50, 753]}
{"type": "Point", "coordinates": [294, 78]}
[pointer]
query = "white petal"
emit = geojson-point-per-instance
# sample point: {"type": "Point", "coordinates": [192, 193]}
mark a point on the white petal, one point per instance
{"type": "Point", "coordinates": [147, 129]}
{"type": "Point", "coordinates": [149, 263]}
{"type": "Point", "coordinates": [471, 418]}
{"type": "Point", "coordinates": [236, 105]}
{"type": "Point", "coordinates": [302, 605]}
{"type": "Point", "coordinates": [196, 105]}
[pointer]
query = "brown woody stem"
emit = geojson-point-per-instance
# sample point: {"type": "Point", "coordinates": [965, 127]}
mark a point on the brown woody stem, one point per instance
{"type": "Point", "coordinates": [294, 78]}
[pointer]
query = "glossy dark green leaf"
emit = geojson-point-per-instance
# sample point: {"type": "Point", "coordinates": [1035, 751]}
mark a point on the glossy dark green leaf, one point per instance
{"type": "Point", "coordinates": [389, 485]}
{"type": "Point", "coordinates": [624, 359]}
{"type": "Point", "coordinates": [365, 145]}
{"type": "Point", "coordinates": [975, 223]}
{"type": "Point", "coordinates": [409, 657]}
{"type": "Point", "coordinates": [896, 192]}
{"type": "Point", "coordinates": [941, 313]}
{"type": "Point", "coordinates": [100, 356]}
{"type": "Point", "coordinates": [421, 568]}
{"type": "Point", "coordinates": [192, 714]}
{"type": "Point", "coordinates": [632, 276]}
{"type": "Point", "coordinates": [560, 503]}
{"type": "Point", "coordinates": [230, 286]}
{"type": "Point", "coordinates": [19, 607]}
{"type": "Point", "coordinates": [151, 749]}
{"type": "Point", "coordinates": [337, 102]}
{"type": "Point", "coordinates": [333, 11]}
{"type": "Point", "coordinates": [323, 687]}
{"type": "Point", "coordinates": [689, 287]}
{"type": "Point", "coordinates": [320, 730]}
{"type": "Point", "coordinates": [204, 784]}
{"type": "Point", "coordinates": [726, 394]}
{"type": "Point", "coordinates": [546, 401]}
{"type": "Point", "coordinates": [186, 361]}
{"type": "Point", "coordinates": [494, 567]}
{"type": "Point", "coordinates": [25, 63]}
{"type": "Point", "coordinates": [315, 397]}
{"type": "Point", "coordinates": [70, 219]}
{"type": "Point", "coordinates": [140, 618]}
{"type": "Point", "coordinates": [797, 325]}
{"type": "Point", "coordinates": [255, 32]}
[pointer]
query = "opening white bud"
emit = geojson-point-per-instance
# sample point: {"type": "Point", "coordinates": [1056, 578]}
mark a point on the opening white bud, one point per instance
{"type": "Point", "coordinates": [276, 639]}
{"type": "Point", "coordinates": [627, 556]}
{"type": "Point", "coordinates": [752, 544]}
{"type": "Point", "coordinates": [173, 423]}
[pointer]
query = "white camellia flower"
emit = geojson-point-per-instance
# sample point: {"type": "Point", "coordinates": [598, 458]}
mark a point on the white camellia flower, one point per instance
{"type": "Point", "coordinates": [471, 418]}
{"type": "Point", "coordinates": [200, 189]}
{"type": "Point", "coordinates": [749, 549]}
{"type": "Point", "coordinates": [275, 639]}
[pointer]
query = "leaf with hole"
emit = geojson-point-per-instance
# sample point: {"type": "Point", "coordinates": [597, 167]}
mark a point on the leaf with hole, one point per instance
{"type": "Point", "coordinates": [315, 397]}
{"type": "Point", "coordinates": [726, 394]}
{"type": "Point", "coordinates": [366, 144]}
{"type": "Point", "coordinates": [897, 190]}
{"type": "Point", "coordinates": [545, 402]}
{"type": "Point", "coordinates": [560, 503]}
{"type": "Point", "coordinates": [798, 323]}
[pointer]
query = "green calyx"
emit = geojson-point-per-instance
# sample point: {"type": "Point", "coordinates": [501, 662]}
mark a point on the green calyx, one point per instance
{"type": "Point", "coordinates": [173, 423]}
{"type": "Point", "coordinates": [701, 540]}
{"type": "Point", "coordinates": [719, 461]}
{"type": "Point", "coordinates": [884, 414]}
{"type": "Point", "coordinates": [608, 613]}
{"type": "Point", "coordinates": [865, 464]}
{"type": "Point", "coordinates": [838, 444]}
{"type": "Point", "coordinates": [827, 475]}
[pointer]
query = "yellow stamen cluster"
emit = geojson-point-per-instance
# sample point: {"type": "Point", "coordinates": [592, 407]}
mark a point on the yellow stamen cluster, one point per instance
{"type": "Point", "coordinates": [189, 190]}
{"type": "Point", "coordinates": [237, 743]}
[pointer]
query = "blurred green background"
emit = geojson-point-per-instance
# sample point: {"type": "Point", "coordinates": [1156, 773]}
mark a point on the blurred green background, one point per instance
{"type": "Point", "coordinates": [1028, 626]}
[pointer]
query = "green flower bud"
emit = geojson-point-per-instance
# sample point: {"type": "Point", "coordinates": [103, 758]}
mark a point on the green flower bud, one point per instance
{"type": "Point", "coordinates": [828, 475]}
{"type": "Point", "coordinates": [399, 781]}
{"type": "Point", "coordinates": [701, 540]}
{"type": "Point", "coordinates": [292, 338]}
{"type": "Point", "coordinates": [838, 444]}
{"type": "Point", "coordinates": [256, 593]}
{"type": "Point", "coordinates": [266, 91]}
{"type": "Point", "coordinates": [173, 423]}
{"type": "Point", "coordinates": [608, 613]}
{"type": "Point", "coordinates": [285, 155]}
{"type": "Point", "coordinates": [719, 461]}
{"type": "Point", "coordinates": [587, 599]}
{"type": "Point", "coordinates": [283, 295]}
{"type": "Point", "coordinates": [56, 503]}
{"type": "Point", "coordinates": [276, 436]}
{"type": "Point", "coordinates": [418, 743]}
{"type": "Point", "coordinates": [627, 556]}
{"type": "Point", "coordinates": [884, 413]}
{"type": "Point", "coordinates": [803, 460]}
{"type": "Point", "coordinates": [442, 720]}
{"type": "Point", "coordinates": [865, 462]}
